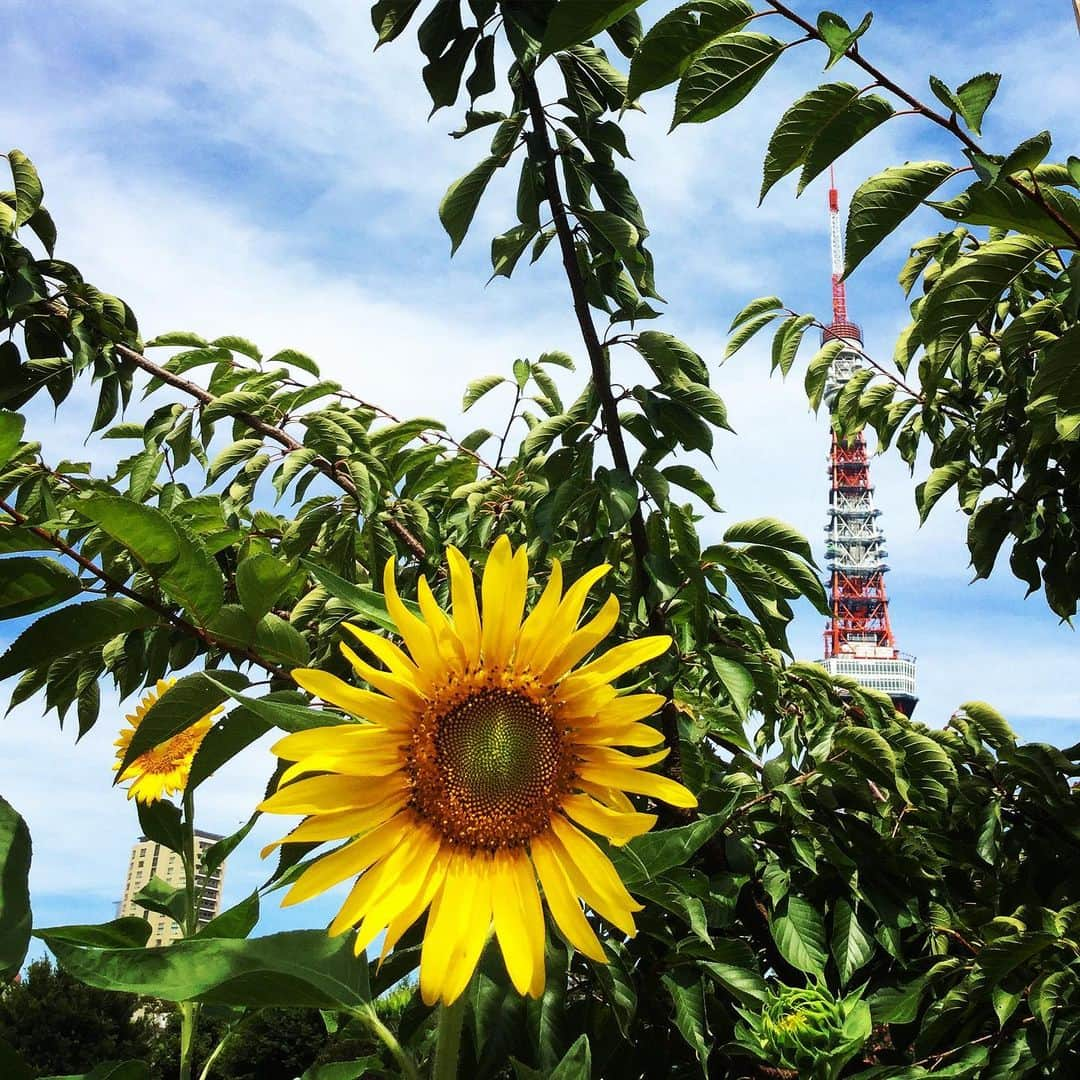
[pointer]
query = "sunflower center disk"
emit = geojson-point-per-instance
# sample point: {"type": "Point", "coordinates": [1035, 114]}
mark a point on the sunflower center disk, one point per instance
{"type": "Point", "coordinates": [492, 771]}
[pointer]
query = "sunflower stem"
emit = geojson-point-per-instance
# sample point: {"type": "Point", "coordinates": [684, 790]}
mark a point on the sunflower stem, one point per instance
{"type": "Point", "coordinates": [405, 1063]}
{"type": "Point", "coordinates": [189, 1010]}
{"type": "Point", "coordinates": [188, 1013]}
{"type": "Point", "coordinates": [448, 1046]}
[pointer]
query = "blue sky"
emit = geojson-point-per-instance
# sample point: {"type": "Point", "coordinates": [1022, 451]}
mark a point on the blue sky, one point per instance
{"type": "Point", "coordinates": [255, 169]}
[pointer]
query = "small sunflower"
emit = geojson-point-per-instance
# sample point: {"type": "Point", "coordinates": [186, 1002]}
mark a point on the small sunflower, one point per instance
{"type": "Point", "coordinates": [482, 754]}
{"type": "Point", "coordinates": [163, 770]}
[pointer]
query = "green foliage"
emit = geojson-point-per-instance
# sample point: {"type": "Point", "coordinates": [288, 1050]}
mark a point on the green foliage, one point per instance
{"type": "Point", "coordinates": [856, 891]}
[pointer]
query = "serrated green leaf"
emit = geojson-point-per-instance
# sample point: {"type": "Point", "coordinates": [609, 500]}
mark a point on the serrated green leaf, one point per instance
{"type": "Point", "coordinates": [11, 433]}
{"type": "Point", "coordinates": [28, 191]}
{"type": "Point", "coordinates": [15, 916]}
{"type": "Point", "coordinates": [575, 21]}
{"type": "Point", "coordinates": [842, 132]}
{"type": "Point", "coordinates": [838, 36]}
{"type": "Point", "coordinates": [691, 480]}
{"type": "Point", "coordinates": [29, 585]}
{"type": "Point", "coordinates": [886, 199]}
{"type": "Point", "coordinates": [260, 580]}
{"type": "Point", "coordinates": [462, 197]}
{"type": "Point", "coordinates": [869, 745]}
{"type": "Point", "coordinates": [668, 49]}
{"type": "Point", "coordinates": [936, 484]}
{"type": "Point", "coordinates": [771, 533]}
{"type": "Point", "coordinates": [799, 127]}
{"type": "Point", "coordinates": [852, 947]}
{"type": "Point", "coordinates": [1027, 155]}
{"type": "Point", "coordinates": [295, 359]}
{"type": "Point", "coordinates": [687, 992]}
{"type": "Point", "coordinates": [799, 933]}
{"type": "Point", "coordinates": [647, 857]}
{"type": "Point", "coordinates": [787, 340]}
{"type": "Point", "coordinates": [478, 388]}
{"type": "Point", "coordinates": [722, 74]}
{"type": "Point", "coordinates": [974, 96]}
{"type": "Point", "coordinates": [755, 308]}
{"type": "Point", "coordinates": [747, 330]}
{"type": "Point", "coordinates": [231, 455]}
{"type": "Point", "coordinates": [993, 727]}
{"type": "Point", "coordinates": [237, 344]}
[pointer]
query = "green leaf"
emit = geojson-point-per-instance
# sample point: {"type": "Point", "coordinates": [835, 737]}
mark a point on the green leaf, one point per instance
{"type": "Point", "coordinates": [390, 17]}
{"type": "Point", "coordinates": [971, 286]}
{"type": "Point", "coordinates": [842, 132]}
{"type": "Point", "coordinates": [869, 745]}
{"type": "Point", "coordinates": [15, 918]}
{"type": "Point", "coordinates": [1027, 155]}
{"type": "Point", "coordinates": [160, 821]}
{"type": "Point", "coordinates": [747, 330]}
{"type": "Point", "coordinates": [737, 680]}
{"type": "Point", "coordinates": [194, 580]}
{"type": "Point", "coordinates": [11, 432]}
{"type": "Point", "coordinates": [691, 480]}
{"type": "Point", "coordinates": [73, 629]}
{"type": "Point", "coordinates": [126, 933]}
{"type": "Point", "coordinates": [799, 934]}
{"type": "Point", "coordinates": [577, 1061]}
{"type": "Point", "coordinates": [687, 992]}
{"type": "Point", "coordinates": [886, 199]}
{"type": "Point", "coordinates": [284, 714]}
{"type": "Point", "coordinates": [508, 248]}
{"type": "Point", "coordinates": [236, 922]}
{"type": "Point", "coordinates": [295, 359]}
{"type": "Point", "coordinates": [231, 455]}
{"type": "Point", "coordinates": [722, 75]}
{"type": "Point", "coordinates": [852, 947]}
{"type": "Point", "coordinates": [771, 533]}
{"type": "Point", "coordinates": [28, 191]}
{"type": "Point", "coordinates": [478, 388]}
{"type": "Point", "coordinates": [619, 494]}
{"type": "Point", "coordinates": [787, 340]}
{"type": "Point", "coordinates": [1006, 207]}
{"type": "Point", "coordinates": [993, 727]}
{"type": "Point", "coordinates": [974, 96]}
{"type": "Point", "coordinates": [296, 969]}
{"type": "Point", "coordinates": [648, 856]}
{"type": "Point", "coordinates": [936, 484]}
{"type": "Point", "coordinates": [368, 604]}
{"type": "Point", "coordinates": [672, 360]}
{"type": "Point", "coordinates": [754, 308]}
{"type": "Point", "coordinates": [817, 371]}
{"type": "Point", "coordinates": [187, 701]}
{"type": "Point", "coordinates": [237, 344]}
{"type": "Point", "coordinates": [798, 128]}
{"type": "Point", "coordinates": [462, 197]}
{"type": "Point", "coordinates": [838, 36]}
{"type": "Point", "coordinates": [165, 899]}
{"type": "Point", "coordinates": [178, 337]}
{"type": "Point", "coordinates": [668, 49]}
{"type": "Point", "coordinates": [575, 21]}
{"type": "Point", "coordinates": [229, 736]}
{"type": "Point", "coordinates": [145, 531]}
{"type": "Point", "coordinates": [260, 580]}
{"type": "Point", "coordinates": [357, 1069]}
{"type": "Point", "coordinates": [28, 585]}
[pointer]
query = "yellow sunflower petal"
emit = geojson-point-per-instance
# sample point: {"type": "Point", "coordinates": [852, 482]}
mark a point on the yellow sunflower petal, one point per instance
{"type": "Point", "coordinates": [618, 827]}
{"type": "Point", "coordinates": [610, 797]}
{"type": "Point", "coordinates": [503, 590]}
{"type": "Point", "coordinates": [584, 706]}
{"type": "Point", "coordinates": [341, 823]}
{"type": "Point", "coordinates": [369, 760]}
{"type": "Point", "coordinates": [362, 703]}
{"type": "Point", "coordinates": [628, 708]}
{"type": "Point", "coordinates": [353, 858]}
{"type": "Point", "coordinates": [325, 794]}
{"type": "Point", "coordinates": [417, 635]}
{"type": "Point", "coordinates": [566, 618]}
{"type": "Point", "coordinates": [626, 735]}
{"type": "Point", "coordinates": [615, 662]}
{"type": "Point", "coordinates": [583, 641]}
{"type": "Point", "coordinates": [396, 659]}
{"type": "Point", "coordinates": [591, 872]}
{"type": "Point", "coordinates": [563, 903]}
{"type": "Point", "coordinates": [509, 917]}
{"type": "Point", "coordinates": [404, 691]}
{"type": "Point", "coordinates": [640, 783]}
{"type": "Point", "coordinates": [474, 930]}
{"type": "Point", "coordinates": [416, 907]}
{"type": "Point", "coordinates": [449, 644]}
{"type": "Point", "coordinates": [537, 625]}
{"type": "Point", "coordinates": [455, 913]}
{"type": "Point", "coordinates": [606, 755]}
{"type": "Point", "coordinates": [463, 598]}
{"type": "Point", "coordinates": [403, 879]}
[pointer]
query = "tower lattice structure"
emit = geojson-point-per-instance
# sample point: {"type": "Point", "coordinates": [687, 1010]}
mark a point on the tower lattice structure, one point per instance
{"type": "Point", "coordinates": [859, 639]}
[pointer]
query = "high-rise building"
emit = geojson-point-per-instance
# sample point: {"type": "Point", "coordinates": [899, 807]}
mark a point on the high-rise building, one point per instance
{"type": "Point", "coordinates": [150, 859]}
{"type": "Point", "coordinates": [859, 639]}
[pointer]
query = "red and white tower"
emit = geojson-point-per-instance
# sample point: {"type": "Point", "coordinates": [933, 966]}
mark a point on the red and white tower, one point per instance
{"type": "Point", "coordinates": [859, 641]}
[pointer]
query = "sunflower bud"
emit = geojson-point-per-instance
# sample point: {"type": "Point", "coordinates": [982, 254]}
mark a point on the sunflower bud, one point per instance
{"type": "Point", "coordinates": [807, 1029]}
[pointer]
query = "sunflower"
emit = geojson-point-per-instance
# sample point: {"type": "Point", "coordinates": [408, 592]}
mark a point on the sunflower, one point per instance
{"type": "Point", "coordinates": [163, 770]}
{"type": "Point", "coordinates": [483, 755]}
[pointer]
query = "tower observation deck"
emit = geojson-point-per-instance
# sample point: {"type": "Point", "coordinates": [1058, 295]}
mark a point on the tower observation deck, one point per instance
{"type": "Point", "coordinates": [859, 640]}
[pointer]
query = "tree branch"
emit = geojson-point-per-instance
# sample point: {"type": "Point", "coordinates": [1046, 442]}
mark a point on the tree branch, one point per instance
{"type": "Point", "coordinates": [333, 471]}
{"type": "Point", "coordinates": [113, 585]}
